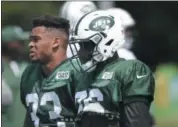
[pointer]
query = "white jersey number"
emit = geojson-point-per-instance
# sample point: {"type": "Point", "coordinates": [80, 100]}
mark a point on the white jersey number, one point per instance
{"type": "Point", "coordinates": [89, 102]}
{"type": "Point", "coordinates": [49, 96]}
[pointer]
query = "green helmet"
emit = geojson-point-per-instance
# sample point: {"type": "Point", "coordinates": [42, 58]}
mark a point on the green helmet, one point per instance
{"type": "Point", "coordinates": [14, 33]}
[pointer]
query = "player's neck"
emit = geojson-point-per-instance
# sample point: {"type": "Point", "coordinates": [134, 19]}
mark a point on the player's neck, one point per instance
{"type": "Point", "coordinates": [56, 59]}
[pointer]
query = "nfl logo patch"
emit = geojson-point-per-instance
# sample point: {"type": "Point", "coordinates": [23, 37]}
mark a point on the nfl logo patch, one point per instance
{"type": "Point", "coordinates": [107, 75]}
{"type": "Point", "coordinates": [62, 75]}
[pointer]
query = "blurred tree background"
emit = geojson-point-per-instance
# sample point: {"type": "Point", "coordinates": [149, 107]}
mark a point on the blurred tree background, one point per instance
{"type": "Point", "coordinates": [20, 13]}
{"type": "Point", "coordinates": [157, 25]}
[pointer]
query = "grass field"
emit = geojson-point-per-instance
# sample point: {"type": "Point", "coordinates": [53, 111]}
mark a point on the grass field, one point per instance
{"type": "Point", "coordinates": [173, 122]}
{"type": "Point", "coordinates": [167, 117]}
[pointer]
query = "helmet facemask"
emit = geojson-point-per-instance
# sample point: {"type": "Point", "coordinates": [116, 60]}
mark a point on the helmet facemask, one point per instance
{"type": "Point", "coordinates": [87, 52]}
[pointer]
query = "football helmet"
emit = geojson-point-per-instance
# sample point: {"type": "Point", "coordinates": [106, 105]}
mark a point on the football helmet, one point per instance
{"type": "Point", "coordinates": [99, 34]}
{"type": "Point", "coordinates": [128, 24]}
{"type": "Point", "coordinates": [73, 11]}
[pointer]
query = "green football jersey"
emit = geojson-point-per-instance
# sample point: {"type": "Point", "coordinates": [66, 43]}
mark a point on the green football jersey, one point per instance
{"type": "Point", "coordinates": [114, 82]}
{"type": "Point", "coordinates": [49, 101]}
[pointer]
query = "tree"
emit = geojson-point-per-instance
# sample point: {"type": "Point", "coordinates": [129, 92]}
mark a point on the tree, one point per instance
{"type": "Point", "coordinates": [21, 12]}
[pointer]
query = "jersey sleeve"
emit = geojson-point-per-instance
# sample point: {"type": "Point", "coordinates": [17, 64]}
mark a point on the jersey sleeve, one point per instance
{"type": "Point", "coordinates": [138, 83]}
{"type": "Point", "coordinates": [24, 79]}
{"type": "Point", "coordinates": [137, 115]}
{"type": "Point", "coordinates": [22, 93]}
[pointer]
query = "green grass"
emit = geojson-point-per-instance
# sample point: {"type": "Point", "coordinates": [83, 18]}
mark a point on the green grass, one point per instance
{"type": "Point", "coordinates": [173, 122]}
{"type": "Point", "coordinates": [166, 117]}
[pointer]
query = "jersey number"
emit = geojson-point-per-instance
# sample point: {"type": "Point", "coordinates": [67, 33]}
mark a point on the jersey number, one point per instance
{"type": "Point", "coordinates": [85, 100]}
{"type": "Point", "coordinates": [49, 96]}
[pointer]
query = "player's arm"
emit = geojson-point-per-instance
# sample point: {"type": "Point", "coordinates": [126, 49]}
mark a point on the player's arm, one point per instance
{"type": "Point", "coordinates": [27, 121]}
{"type": "Point", "coordinates": [138, 93]}
{"type": "Point", "coordinates": [136, 114]}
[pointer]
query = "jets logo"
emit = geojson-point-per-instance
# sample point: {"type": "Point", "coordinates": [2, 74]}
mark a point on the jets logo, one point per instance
{"type": "Point", "coordinates": [62, 75]}
{"type": "Point", "coordinates": [101, 23]}
{"type": "Point", "coordinates": [107, 75]}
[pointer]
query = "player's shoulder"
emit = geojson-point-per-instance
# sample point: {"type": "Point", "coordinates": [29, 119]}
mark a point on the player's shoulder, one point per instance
{"type": "Point", "coordinates": [128, 66]}
{"type": "Point", "coordinates": [30, 70]}
{"type": "Point", "coordinates": [32, 67]}
{"type": "Point", "coordinates": [138, 65]}
{"type": "Point", "coordinates": [130, 63]}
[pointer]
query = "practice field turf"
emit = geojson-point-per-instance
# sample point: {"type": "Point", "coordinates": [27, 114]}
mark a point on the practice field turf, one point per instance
{"type": "Point", "coordinates": [166, 117]}
{"type": "Point", "coordinates": [173, 122]}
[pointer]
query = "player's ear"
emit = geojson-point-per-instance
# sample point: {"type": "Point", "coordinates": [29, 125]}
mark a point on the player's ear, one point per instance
{"type": "Point", "coordinates": [56, 42]}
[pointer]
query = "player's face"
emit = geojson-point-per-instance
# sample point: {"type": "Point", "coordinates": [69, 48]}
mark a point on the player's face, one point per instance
{"type": "Point", "coordinates": [85, 52]}
{"type": "Point", "coordinates": [40, 45]}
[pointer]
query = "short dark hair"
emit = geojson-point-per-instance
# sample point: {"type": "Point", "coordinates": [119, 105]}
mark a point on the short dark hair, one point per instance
{"type": "Point", "coordinates": [49, 21]}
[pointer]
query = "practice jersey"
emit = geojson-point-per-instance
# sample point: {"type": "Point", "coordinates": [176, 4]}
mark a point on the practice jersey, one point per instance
{"type": "Point", "coordinates": [49, 101]}
{"type": "Point", "coordinates": [115, 82]}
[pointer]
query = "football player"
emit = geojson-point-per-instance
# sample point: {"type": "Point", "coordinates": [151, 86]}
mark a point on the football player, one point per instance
{"type": "Point", "coordinates": [121, 90]}
{"type": "Point", "coordinates": [47, 84]}
{"type": "Point", "coordinates": [128, 24]}
{"type": "Point", "coordinates": [73, 11]}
